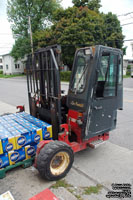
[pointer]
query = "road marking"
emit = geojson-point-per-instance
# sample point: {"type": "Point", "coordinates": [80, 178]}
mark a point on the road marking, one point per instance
{"type": "Point", "coordinates": [129, 101]}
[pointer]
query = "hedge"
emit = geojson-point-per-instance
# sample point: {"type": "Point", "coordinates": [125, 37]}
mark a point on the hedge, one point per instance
{"type": "Point", "coordinates": [65, 76]}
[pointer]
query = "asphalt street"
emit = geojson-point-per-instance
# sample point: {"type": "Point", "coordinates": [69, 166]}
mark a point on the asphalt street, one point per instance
{"type": "Point", "coordinates": [14, 92]}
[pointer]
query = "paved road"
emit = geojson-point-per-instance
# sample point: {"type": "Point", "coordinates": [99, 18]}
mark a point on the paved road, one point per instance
{"type": "Point", "coordinates": [14, 91]}
{"type": "Point", "coordinates": [128, 82]}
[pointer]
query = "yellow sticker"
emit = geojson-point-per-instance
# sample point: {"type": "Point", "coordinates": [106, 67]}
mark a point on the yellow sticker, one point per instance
{"type": "Point", "coordinates": [26, 152]}
{"type": "Point", "coordinates": [12, 141]}
{"type": "Point", "coordinates": [1, 148]}
{"type": "Point", "coordinates": [11, 157]}
{"type": "Point", "coordinates": [49, 129]}
{"type": "Point", "coordinates": [20, 141]}
{"type": "Point", "coordinates": [39, 132]}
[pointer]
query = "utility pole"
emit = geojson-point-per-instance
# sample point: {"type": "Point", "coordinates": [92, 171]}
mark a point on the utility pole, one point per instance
{"type": "Point", "coordinates": [31, 39]}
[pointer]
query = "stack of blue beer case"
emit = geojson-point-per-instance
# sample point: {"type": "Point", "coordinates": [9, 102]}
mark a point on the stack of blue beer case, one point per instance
{"type": "Point", "coordinates": [46, 128]}
{"type": "Point", "coordinates": [19, 137]}
{"type": "Point", "coordinates": [10, 152]}
{"type": "Point", "coordinates": [5, 137]}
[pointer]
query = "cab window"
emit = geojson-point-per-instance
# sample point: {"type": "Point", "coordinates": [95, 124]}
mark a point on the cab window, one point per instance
{"type": "Point", "coordinates": [107, 76]}
{"type": "Point", "coordinates": [81, 66]}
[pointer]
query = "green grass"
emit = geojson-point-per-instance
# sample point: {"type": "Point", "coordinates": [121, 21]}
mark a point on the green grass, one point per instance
{"type": "Point", "coordinates": [126, 76]}
{"type": "Point", "coordinates": [61, 183]}
{"type": "Point", "coordinates": [10, 76]}
{"type": "Point", "coordinates": [92, 189]}
{"type": "Point", "coordinates": [65, 76]}
{"type": "Point", "coordinates": [85, 190]}
{"type": "Point", "coordinates": [69, 187]}
{"type": "Point", "coordinates": [78, 197]}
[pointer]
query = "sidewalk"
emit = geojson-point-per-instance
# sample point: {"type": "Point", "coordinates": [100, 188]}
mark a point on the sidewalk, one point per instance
{"type": "Point", "coordinates": [6, 108]}
{"type": "Point", "coordinates": [106, 165]}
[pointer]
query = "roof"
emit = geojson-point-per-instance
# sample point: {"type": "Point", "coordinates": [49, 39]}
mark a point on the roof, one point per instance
{"type": "Point", "coordinates": [6, 54]}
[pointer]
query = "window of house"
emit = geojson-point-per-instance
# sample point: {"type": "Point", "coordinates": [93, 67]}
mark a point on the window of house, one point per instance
{"type": "Point", "coordinates": [0, 60]}
{"type": "Point", "coordinates": [17, 66]}
{"type": "Point", "coordinates": [1, 67]}
{"type": "Point", "coordinates": [6, 67]}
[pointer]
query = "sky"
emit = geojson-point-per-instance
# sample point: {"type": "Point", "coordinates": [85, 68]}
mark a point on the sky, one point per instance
{"type": "Point", "coordinates": [119, 7]}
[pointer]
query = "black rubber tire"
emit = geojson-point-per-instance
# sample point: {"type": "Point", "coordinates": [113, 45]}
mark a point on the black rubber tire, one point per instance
{"type": "Point", "coordinates": [46, 155]}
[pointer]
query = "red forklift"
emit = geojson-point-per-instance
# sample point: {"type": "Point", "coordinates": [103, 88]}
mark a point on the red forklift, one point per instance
{"type": "Point", "coordinates": [83, 117]}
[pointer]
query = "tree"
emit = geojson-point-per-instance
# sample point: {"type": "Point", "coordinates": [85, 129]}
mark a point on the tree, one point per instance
{"type": "Point", "coordinates": [19, 10]}
{"type": "Point", "coordinates": [39, 11]}
{"type": "Point", "coordinates": [91, 4]}
{"type": "Point", "coordinates": [113, 31]}
{"type": "Point", "coordinates": [79, 26]}
{"type": "Point", "coordinates": [21, 48]}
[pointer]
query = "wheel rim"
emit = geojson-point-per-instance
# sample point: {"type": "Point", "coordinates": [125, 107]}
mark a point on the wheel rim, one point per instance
{"type": "Point", "coordinates": [59, 163]}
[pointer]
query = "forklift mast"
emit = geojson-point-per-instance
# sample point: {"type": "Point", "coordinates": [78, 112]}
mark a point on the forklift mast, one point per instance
{"type": "Point", "coordinates": [43, 82]}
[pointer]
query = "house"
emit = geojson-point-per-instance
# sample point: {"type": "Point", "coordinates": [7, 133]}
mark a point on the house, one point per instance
{"type": "Point", "coordinates": [128, 58]}
{"type": "Point", "coordinates": [1, 64]}
{"type": "Point", "coordinates": [10, 66]}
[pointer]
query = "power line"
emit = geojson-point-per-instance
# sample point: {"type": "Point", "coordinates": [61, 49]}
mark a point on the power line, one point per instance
{"type": "Point", "coordinates": [127, 24]}
{"type": "Point", "coordinates": [126, 19]}
{"type": "Point", "coordinates": [5, 47]}
{"type": "Point", "coordinates": [36, 43]}
{"type": "Point", "coordinates": [124, 14]}
{"type": "Point", "coordinates": [128, 40]}
{"type": "Point", "coordinates": [3, 43]}
{"type": "Point", "coordinates": [68, 45]}
{"type": "Point", "coordinates": [5, 33]}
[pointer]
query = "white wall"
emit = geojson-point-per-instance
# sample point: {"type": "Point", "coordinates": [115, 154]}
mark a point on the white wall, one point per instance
{"type": "Point", "coordinates": [129, 51]}
{"type": "Point", "coordinates": [8, 60]}
{"type": "Point", "coordinates": [18, 70]}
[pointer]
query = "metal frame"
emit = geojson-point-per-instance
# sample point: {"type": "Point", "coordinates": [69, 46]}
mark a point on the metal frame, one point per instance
{"type": "Point", "coordinates": [43, 82]}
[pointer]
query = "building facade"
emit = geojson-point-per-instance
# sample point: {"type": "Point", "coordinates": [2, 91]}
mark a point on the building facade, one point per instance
{"type": "Point", "coordinates": [10, 66]}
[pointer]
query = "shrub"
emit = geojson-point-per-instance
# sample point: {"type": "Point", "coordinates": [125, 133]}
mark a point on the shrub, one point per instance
{"type": "Point", "coordinates": [128, 70]}
{"type": "Point", "coordinates": [65, 76]}
{"type": "Point", "coordinates": [1, 72]}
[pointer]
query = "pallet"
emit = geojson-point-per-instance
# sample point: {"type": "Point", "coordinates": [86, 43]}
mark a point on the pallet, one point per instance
{"type": "Point", "coordinates": [24, 164]}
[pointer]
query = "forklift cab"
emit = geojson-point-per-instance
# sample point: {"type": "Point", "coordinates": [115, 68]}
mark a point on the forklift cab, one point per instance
{"type": "Point", "coordinates": [95, 89]}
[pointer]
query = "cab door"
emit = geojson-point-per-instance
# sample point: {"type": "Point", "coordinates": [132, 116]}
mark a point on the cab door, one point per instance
{"type": "Point", "coordinates": [102, 112]}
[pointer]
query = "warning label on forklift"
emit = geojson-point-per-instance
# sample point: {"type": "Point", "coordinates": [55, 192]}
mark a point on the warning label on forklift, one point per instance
{"type": "Point", "coordinates": [120, 191]}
